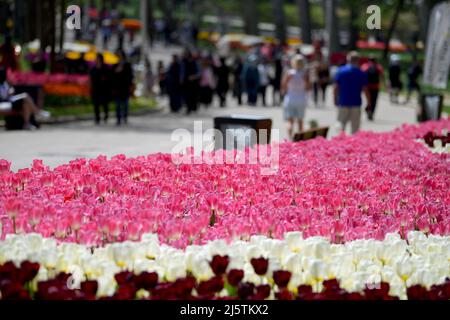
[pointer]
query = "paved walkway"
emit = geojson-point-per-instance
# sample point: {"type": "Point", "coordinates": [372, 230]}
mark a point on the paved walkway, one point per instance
{"type": "Point", "coordinates": [58, 144]}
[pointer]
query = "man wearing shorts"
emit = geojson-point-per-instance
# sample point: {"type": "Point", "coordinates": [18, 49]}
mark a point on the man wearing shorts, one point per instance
{"type": "Point", "coordinates": [350, 82]}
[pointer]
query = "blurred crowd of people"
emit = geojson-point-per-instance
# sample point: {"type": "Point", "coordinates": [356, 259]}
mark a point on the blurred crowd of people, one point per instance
{"type": "Point", "coordinates": [195, 79]}
{"type": "Point", "coordinates": [198, 78]}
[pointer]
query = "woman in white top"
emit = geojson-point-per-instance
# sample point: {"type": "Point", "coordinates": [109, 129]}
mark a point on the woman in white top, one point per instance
{"type": "Point", "coordinates": [294, 87]}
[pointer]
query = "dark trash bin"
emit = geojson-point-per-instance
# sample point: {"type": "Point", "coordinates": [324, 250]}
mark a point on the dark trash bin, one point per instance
{"type": "Point", "coordinates": [244, 130]}
{"type": "Point", "coordinates": [431, 107]}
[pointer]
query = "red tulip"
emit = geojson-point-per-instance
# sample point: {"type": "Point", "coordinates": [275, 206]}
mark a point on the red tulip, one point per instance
{"type": "Point", "coordinates": [305, 292]}
{"type": "Point", "coordinates": [219, 264]}
{"type": "Point", "coordinates": [263, 291]}
{"type": "Point", "coordinates": [246, 290]}
{"type": "Point", "coordinates": [126, 291]}
{"type": "Point", "coordinates": [146, 280]}
{"type": "Point", "coordinates": [28, 271]}
{"type": "Point", "coordinates": [124, 277]}
{"type": "Point", "coordinates": [235, 277]}
{"type": "Point", "coordinates": [284, 294]}
{"type": "Point", "coordinates": [89, 287]}
{"type": "Point", "coordinates": [182, 288]}
{"type": "Point", "coordinates": [260, 265]}
{"type": "Point", "coordinates": [282, 278]}
{"type": "Point", "coordinates": [211, 286]}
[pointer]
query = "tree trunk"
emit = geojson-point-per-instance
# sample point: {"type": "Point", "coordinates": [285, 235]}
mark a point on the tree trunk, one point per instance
{"type": "Point", "coordinates": [144, 29]}
{"type": "Point", "coordinates": [166, 8]}
{"type": "Point", "coordinates": [250, 11]}
{"type": "Point", "coordinates": [332, 26]}
{"type": "Point", "coordinates": [32, 25]}
{"type": "Point", "coordinates": [61, 24]}
{"type": "Point", "coordinates": [150, 22]}
{"type": "Point", "coordinates": [52, 31]}
{"type": "Point", "coordinates": [47, 31]}
{"type": "Point", "coordinates": [101, 12]}
{"type": "Point", "coordinates": [305, 20]}
{"type": "Point", "coordinates": [280, 22]}
{"type": "Point", "coordinates": [352, 26]}
{"type": "Point", "coordinates": [423, 13]}
{"type": "Point", "coordinates": [391, 30]}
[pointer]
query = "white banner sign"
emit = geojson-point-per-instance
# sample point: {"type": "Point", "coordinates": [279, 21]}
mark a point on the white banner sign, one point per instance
{"type": "Point", "coordinates": [437, 59]}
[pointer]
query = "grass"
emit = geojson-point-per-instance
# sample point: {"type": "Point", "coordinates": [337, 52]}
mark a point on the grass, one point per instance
{"type": "Point", "coordinates": [136, 105]}
{"type": "Point", "coordinates": [86, 109]}
{"type": "Point", "coordinates": [446, 109]}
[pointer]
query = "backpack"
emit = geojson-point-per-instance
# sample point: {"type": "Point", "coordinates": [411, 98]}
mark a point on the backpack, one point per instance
{"type": "Point", "coordinates": [373, 74]}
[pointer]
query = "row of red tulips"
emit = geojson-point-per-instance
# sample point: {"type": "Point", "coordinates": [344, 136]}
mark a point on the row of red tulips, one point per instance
{"type": "Point", "coordinates": [16, 284]}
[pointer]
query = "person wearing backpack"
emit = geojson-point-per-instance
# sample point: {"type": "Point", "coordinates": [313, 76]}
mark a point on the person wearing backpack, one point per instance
{"type": "Point", "coordinates": [375, 75]}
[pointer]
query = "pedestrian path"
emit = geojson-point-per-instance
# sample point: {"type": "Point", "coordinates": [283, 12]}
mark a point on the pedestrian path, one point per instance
{"type": "Point", "coordinates": [58, 144]}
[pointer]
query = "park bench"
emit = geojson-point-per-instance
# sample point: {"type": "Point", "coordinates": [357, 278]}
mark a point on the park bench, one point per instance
{"type": "Point", "coordinates": [311, 134]}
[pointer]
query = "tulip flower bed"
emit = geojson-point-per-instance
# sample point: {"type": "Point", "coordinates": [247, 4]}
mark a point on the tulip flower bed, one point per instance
{"type": "Point", "coordinates": [59, 85]}
{"type": "Point", "coordinates": [292, 268]}
{"type": "Point", "coordinates": [16, 286]}
{"type": "Point", "coordinates": [348, 188]}
{"type": "Point", "coordinates": [365, 209]}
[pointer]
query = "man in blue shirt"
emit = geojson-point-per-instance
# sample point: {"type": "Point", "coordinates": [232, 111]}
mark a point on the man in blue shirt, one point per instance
{"type": "Point", "coordinates": [350, 82]}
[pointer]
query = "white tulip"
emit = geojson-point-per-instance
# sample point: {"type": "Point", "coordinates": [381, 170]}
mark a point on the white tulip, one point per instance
{"type": "Point", "coordinates": [174, 272]}
{"type": "Point", "coordinates": [277, 248]}
{"type": "Point", "coordinates": [106, 286]}
{"type": "Point", "coordinates": [150, 237]}
{"type": "Point", "coordinates": [218, 247]}
{"type": "Point", "coordinates": [294, 240]}
{"type": "Point", "coordinates": [293, 263]}
{"type": "Point", "coordinates": [253, 251]}
{"type": "Point", "coordinates": [201, 269]}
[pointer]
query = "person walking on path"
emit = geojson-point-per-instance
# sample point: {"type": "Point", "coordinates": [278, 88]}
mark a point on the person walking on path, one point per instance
{"type": "Point", "coordinates": [173, 84]}
{"type": "Point", "coordinates": [222, 74]}
{"type": "Point", "coordinates": [414, 73]}
{"type": "Point", "coordinates": [264, 80]}
{"type": "Point", "coordinates": [100, 78]}
{"type": "Point", "coordinates": [237, 81]}
{"type": "Point", "coordinates": [375, 76]}
{"type": "Point", "coordinates": [190, 75]}
{"type": "Point", "coordinates": [206, 83]}
{"type": "Point", "coordinates": [123, 88]}
{"type": "Point", "coordinates": [276, 81]}
{"type": "Point", "coordinates": [161, 78]}
{"type": "Point", "coordinates": [395, 81]}
{"type": "Point", "coordinates": [294, 87]}
{"type": "Point", "coordinates": [251, 79]}
{"type": "Point", "coordinates": [323, 80]}
{"type": "Point", "coordinates": [148, 79]}
{"type": "Point", "coordinates": [350, 82]}
{"type": "Point", "coordinates": [314, 77]}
